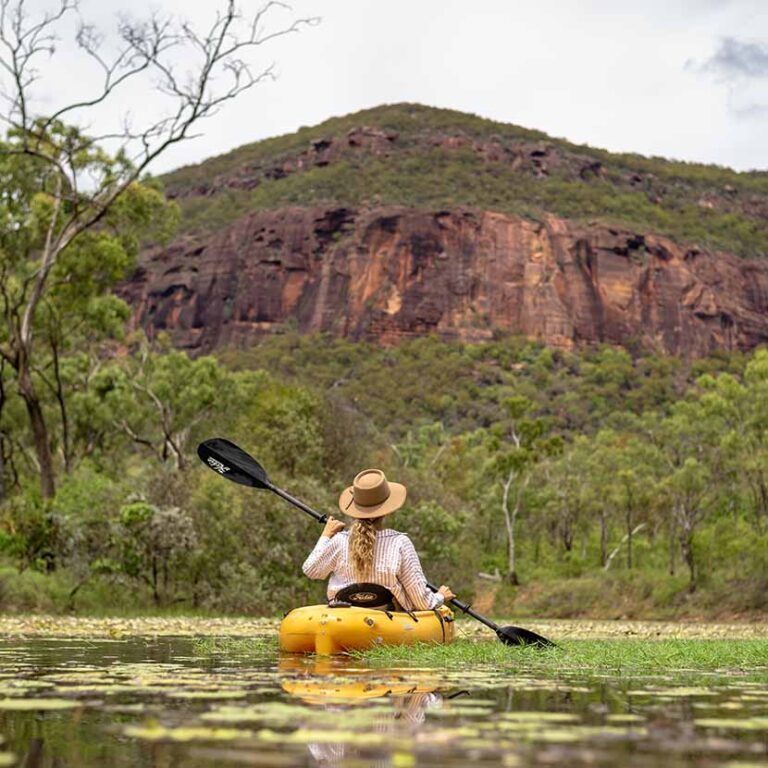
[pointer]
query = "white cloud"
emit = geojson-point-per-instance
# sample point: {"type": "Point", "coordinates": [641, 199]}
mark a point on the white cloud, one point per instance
{"type": "Point", "coordinates": [741, 66]}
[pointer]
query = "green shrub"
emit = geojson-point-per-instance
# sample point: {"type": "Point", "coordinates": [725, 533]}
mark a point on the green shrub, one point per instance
{"type": "Point", "coordinates": [33, 592]}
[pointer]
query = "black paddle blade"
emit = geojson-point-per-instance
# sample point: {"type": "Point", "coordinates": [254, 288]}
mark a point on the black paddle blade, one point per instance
{"type": "Point", "coordinates": [233, 463]}
{"type": "Point", "coordinates": [520, 636]}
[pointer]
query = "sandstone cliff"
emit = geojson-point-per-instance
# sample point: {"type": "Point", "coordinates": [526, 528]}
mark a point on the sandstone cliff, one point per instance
{"type": "Point", "coordinates": [392, 272]}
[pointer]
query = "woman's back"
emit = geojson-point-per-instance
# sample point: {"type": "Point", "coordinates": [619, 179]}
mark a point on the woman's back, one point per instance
{"type": "Point", "coordinates": [395, 565]}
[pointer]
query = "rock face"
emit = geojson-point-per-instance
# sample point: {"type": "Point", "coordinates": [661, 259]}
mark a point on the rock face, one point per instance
{"type": "Point", "coordinates": [391, 273]}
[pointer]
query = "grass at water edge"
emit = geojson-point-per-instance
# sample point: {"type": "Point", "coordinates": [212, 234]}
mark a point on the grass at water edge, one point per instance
{"type": "Point", "coordinates": [616, 657]}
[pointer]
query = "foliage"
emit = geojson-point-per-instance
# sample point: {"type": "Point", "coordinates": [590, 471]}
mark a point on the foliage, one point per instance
{"type": "Point", "coordinates": [693, 203]}
{"type": "Point", "coordinates": [74, 207]}
{"type": "Point", "coordinates": [634, 486]}
{"type": "Point", "coordinates": [608, 473]}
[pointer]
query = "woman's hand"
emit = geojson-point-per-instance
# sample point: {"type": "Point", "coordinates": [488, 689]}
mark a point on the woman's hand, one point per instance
{"type": "Point", "coordinates": [446, 592]}
{"type": "Point", "coordinates": [332, 527]}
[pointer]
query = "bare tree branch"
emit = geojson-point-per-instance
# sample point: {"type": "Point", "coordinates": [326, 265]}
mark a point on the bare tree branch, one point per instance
{"type": "Point", "coordinates": [83, 178]}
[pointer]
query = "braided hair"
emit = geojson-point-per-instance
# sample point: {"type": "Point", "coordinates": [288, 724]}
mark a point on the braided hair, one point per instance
{"type": "Point", "coordinates": [362, 539]}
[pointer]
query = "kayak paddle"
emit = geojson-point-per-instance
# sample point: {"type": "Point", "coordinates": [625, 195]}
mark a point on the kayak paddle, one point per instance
{"type": "Point", "coordinates": [233, 463]}
{"type": "Point", "coordinates": [508, 635]}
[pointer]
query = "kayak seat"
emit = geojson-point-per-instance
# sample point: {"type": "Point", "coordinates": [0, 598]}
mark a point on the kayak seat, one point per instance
{"type": "Point", "coordinates": [364, 595]}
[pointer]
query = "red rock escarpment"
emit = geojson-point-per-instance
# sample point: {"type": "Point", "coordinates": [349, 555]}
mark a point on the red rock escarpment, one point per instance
{"type": "Point", "coordinates": [391, 273]}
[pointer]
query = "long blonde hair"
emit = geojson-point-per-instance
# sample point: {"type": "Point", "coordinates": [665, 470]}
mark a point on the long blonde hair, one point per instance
{"type": "Point", "coordinates": [362, 539]}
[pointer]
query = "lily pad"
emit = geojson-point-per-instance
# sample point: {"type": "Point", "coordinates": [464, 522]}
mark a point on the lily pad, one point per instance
{"type": "Point", "coordinates": [33, 705]}
{"type": "Point", "coordinates": [747, 724]}
{"type": "Point", "coordinates": [160, 733]}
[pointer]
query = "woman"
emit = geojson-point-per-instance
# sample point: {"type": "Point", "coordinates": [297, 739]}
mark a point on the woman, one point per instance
{"type": "Point", "coordinates": [369, 552]}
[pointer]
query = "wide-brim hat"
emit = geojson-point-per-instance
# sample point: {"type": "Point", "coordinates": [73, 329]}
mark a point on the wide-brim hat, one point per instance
{"type": "Point", "coordinates": [371, 495]}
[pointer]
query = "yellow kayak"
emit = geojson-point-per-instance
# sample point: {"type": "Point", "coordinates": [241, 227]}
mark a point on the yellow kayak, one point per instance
{"type": "Point", "coordinates": [323, 630]}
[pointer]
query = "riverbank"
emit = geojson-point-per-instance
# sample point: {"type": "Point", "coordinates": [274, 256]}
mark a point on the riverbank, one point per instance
{"type": "Point", "coordinates": [181, 626]}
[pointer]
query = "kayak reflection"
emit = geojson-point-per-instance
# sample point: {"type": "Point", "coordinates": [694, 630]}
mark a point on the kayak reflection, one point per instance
{"type": "Point", "coordinates": [397, 701]}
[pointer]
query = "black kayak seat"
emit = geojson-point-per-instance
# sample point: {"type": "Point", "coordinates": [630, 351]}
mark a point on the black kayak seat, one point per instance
{"type": "Point", "coordinates": [364, 595]}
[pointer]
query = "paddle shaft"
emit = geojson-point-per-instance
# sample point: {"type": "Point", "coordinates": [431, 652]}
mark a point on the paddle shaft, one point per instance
{"type": "Point", "coordinates": [296, 502]}
{"type": "Point", "coordinates": [467, 608]}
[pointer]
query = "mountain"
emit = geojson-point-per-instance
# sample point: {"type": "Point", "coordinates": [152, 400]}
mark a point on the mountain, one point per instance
{"type": "Point", "coordinates": [404, 219]}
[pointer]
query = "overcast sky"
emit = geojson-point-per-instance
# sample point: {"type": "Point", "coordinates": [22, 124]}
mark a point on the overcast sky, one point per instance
{"type": "Point", "coordinates": [685, 79]}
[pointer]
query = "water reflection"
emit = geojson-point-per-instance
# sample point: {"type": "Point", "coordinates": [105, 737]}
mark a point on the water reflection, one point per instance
{"type": "Point", "coordinates": [153, 704]}
{"type": "Point", "coordinates": [336, 687]}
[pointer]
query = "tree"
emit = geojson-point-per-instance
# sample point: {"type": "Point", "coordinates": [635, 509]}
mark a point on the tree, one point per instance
{"type": "Point", "coordinates": [155, 545]}
{"type": "Point", "coordinates": [567, 497]}
{"type": "Point", "coordinates": [690, 450]}
{"type": "Point", "coordinates": [687, 487]}
{"type": "Point", "coordinates": [157, 399]}
{"type": "Point", "coordinates": [741, 407]}
{"type": "Point", "coordinates": [78, 186]}
{"type": "Point", "coordinates": [77, 311]}
{"type": "Point", "coordinates": [512, 465]}
{"type": "Point", "coordinates": [626, 483]}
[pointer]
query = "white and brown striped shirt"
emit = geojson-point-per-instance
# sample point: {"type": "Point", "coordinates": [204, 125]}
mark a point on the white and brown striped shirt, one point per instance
{"type": "Point", "coordinates": [396, 566]}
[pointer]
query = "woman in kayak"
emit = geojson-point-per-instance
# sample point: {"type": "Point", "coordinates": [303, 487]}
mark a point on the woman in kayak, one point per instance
{"type": "Point", "coordinates": [369, 552]}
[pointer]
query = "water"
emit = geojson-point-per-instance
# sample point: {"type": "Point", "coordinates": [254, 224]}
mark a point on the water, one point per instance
{"type": "Point", "coordinates": [161, 703]}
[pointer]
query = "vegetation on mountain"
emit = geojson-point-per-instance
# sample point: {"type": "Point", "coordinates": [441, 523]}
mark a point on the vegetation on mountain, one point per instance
{"type": "Point", "coordinates": [408, 154]}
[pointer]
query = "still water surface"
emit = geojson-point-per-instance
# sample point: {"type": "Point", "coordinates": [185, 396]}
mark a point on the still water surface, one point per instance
{"type": "Point", "coordinates": [144, 702]}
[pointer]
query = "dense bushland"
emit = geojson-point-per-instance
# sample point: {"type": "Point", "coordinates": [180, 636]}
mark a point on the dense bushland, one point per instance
{"type": "Point", "coordinates": [599, 483]}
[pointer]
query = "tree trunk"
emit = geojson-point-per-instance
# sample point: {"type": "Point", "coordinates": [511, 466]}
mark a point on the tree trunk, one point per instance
{"type": "Point", "coordinates": [630, 531]}
{"type": "Point", "coordinates": [686, 543]}
{"type": "Point", "coordinates": [2, 470]}
{"type": "Point", "coordinates": [603, 538]}
{"type": "Point", "coordinates": [566, 528]}
{"type": "Point", "coordinates": [625, 538]}
{"type": "Point", "coordinates": [509, 521]}
{"type": "Point", "coordinates": [39, 433]}
{"type": "Point", "coordinates": [59, 392]}
{"type": "Point", "coordinates": [155, 585]}
{"type": "Point", "coordinates": [3, 480]}
{"type": "Point", "coordinates": [689, 561]}
{"type": "Point", "coordinates": [511, 565]}
{"type": "Point", "coordinates": [672, 543]}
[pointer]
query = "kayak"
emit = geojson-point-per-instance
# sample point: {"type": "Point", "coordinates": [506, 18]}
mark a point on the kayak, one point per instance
{"type": "Point", "coordinates": [325, 630]}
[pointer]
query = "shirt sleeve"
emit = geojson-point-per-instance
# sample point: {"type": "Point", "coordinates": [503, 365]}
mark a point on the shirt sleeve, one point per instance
{"type": "Point", "coordinates": [411, 576]}
{"type": "Point", "coordinates": [322, 559]}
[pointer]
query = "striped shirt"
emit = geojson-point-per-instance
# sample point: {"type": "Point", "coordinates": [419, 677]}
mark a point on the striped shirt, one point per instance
{"type": "Point", "coordinates": [396, 566]}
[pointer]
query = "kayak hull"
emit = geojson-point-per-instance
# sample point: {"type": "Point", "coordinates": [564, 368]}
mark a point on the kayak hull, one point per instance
{"type": "Point", "coordinates": [323, 630]}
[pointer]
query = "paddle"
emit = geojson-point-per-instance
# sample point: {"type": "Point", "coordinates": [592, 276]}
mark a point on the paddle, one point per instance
{"type": "Point", "coordinates": [233, 463]}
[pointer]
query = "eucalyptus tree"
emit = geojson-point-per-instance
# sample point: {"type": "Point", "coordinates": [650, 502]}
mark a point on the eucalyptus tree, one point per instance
{"type": "Point", "coordinates": [157, 398]}
{"type": "Point", "coordinates": [516, 446]}
{"type": "Point", "coordinates": [627, 484]}
{"type": "Point", "coordinates": [692, 473]}
{"type": "Point", "coordinates": [567, 493]}
{"type": "Point", "coordinates": [66, 190]}
{"type": "Point", "coordinates": [741, 408]}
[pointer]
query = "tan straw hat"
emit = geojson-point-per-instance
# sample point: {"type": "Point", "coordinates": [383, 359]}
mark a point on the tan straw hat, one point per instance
{"type": "Point", "coordinates": [371, 495]}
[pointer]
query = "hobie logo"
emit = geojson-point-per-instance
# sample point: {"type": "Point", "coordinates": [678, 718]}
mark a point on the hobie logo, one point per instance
{"type": "Point", "coordinates": [217, 465]}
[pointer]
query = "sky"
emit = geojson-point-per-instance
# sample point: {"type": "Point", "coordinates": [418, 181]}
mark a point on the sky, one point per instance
{"type": "Point", "coordinates": [684, 79]}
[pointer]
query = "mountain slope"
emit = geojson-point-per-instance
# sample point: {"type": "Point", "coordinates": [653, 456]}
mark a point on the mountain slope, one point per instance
{"type": "Point", "coordinates": [405, 220]}
{"type": "Point", "coordinates": [407, 154]}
